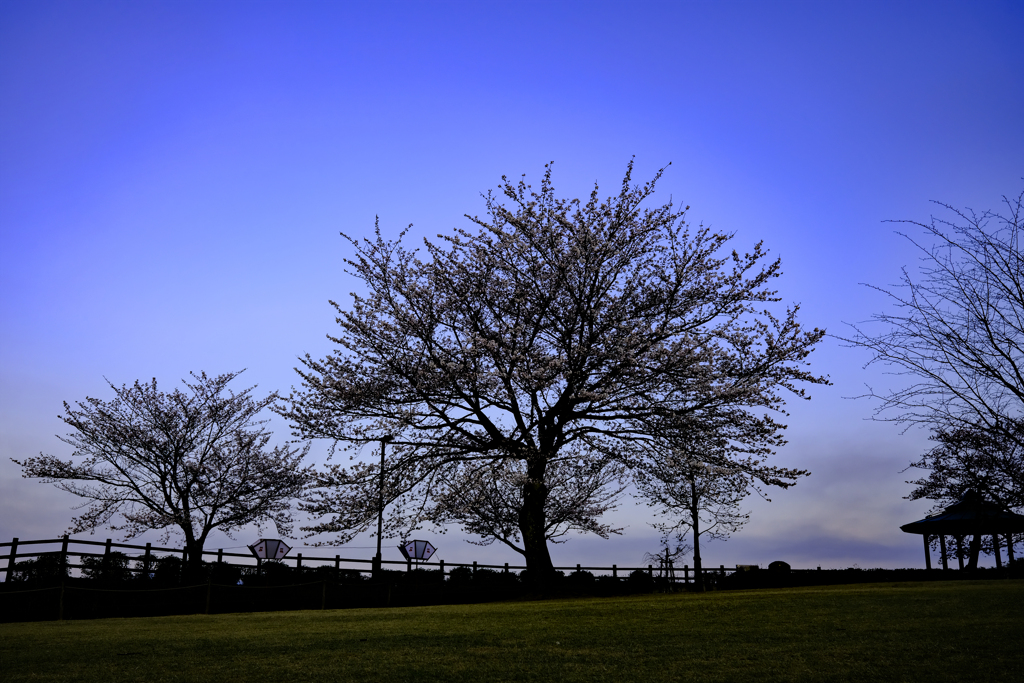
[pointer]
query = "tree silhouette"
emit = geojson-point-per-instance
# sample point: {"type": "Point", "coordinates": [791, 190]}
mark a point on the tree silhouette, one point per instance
{"type": "Point", "coordinates": [534, 354]}
{"type": "Point", "coordinates": [698, 477]}
{"type": "Point", "coordinates": [193, 461]}
{"type": "Point", "coordinates": [957, 334]}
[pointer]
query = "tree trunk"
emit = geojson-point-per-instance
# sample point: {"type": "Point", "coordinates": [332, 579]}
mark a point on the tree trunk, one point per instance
{"type": "Point", "coordinates": [194, 550]}
{"type": "Point", "coordinates": [698, 575]}
{"type": "Point", "coordinates": [532, 525]}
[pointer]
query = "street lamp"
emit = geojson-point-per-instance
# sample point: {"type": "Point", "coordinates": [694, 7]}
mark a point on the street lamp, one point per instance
{"type": "Point", "coordinates": [376, 566]}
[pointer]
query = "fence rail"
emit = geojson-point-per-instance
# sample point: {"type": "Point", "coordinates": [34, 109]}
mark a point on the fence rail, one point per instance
{"type": "Point", "coordinates": [301, 561]}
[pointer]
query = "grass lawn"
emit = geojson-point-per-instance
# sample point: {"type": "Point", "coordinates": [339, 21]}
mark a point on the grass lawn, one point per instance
{"type": "Point", "coordinates": [962, 631]}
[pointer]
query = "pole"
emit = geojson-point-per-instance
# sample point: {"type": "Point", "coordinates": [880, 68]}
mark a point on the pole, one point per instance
{"type": "Point", "coordinates": [376, 567]}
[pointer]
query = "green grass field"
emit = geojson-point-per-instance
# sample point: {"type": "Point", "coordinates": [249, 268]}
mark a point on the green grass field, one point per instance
{"type": "Point", "coordinates": [963, 631]}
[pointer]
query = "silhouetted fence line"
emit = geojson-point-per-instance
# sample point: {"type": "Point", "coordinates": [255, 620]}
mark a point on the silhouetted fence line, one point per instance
{"type": "Point", "coordinates": [41, 587]}
{"type": "Point", "coordinates": [146, 560]}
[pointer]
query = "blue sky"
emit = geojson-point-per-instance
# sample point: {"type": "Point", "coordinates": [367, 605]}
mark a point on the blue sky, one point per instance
{"type": "Point", "coordinates": [173, 178]}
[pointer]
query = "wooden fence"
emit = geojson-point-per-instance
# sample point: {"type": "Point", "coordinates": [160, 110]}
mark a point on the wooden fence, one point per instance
{"type": "Point", "coordinates": [146, 560]}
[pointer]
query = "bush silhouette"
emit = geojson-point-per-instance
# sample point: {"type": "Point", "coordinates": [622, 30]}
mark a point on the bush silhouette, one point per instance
{"type": "Point", "coordinates": [109, 569]}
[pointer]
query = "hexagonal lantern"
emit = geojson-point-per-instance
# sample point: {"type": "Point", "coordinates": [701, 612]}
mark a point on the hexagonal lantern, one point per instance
{"type": "Point", "coordinates": [269, 549]}
{"type": "Point", "coordinates": [417, 550]}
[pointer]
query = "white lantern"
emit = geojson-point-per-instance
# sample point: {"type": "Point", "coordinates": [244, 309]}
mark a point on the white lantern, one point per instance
{"type": "Point", "coordinates": [269, 549]}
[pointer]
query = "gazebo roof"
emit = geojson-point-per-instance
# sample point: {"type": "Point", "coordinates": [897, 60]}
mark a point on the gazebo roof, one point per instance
{"type": "Point", "coordinates": [970, 515]}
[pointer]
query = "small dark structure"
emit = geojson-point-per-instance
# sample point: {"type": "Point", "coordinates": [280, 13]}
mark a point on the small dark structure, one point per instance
{"type": "Point", "coordinates": [972, 516]}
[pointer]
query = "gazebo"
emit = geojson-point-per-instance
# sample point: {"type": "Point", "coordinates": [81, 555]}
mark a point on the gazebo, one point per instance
{"type": "Point", "coordinates": [973, 516]}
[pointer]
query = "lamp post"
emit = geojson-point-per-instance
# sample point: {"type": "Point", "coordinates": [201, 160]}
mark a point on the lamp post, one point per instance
{"type": "Point", "coordinates": [376, 566]}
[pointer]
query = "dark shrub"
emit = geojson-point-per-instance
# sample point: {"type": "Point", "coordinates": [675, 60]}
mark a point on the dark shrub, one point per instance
{"type": "Point", "coordinates": [49, 567]}
{"type": "Point", "coordinates": [556, 579]}
{"type": "Point", "coordinates": [609, 585]}
{"type": "Point", "coordinates": [640, 581]}
{"type": "Point", "coordinates": [461, 575]}
{"type": "Point", "coordinates": [111, 568]}
{"type": "Point", "coordinates": [167, 570]}
{"type": "Point", "coordinates": [276, 572]}
{"type": "Point", "coordinates": [580, 579]}
{"type": "Point", "coordinates": [224, 573]}
{"type": "Point", "coordinates": [421, 576]}
{"type": "Point", "coordinates": [1015, 568]}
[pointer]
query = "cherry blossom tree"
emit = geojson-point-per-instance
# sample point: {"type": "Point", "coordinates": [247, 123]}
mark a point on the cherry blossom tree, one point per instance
{"type": "Point", "coordinates": [523, 365]}
{"type": "Point", "coordinates": [698, 477]}
{"type": "Point", "coordinates": [191, 461]}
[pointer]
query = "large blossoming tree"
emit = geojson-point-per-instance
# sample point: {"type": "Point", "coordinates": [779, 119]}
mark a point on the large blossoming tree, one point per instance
{"type": "Point", "coordinates": [523, 367]}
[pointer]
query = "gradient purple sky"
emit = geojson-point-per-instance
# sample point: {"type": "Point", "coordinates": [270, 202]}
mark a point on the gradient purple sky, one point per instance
{"type": "Point", "coordinates": [174, 175]}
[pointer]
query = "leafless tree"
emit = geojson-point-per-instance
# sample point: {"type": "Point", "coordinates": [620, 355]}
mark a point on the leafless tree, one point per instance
{"type": "Point", "coordinates": [560, 332]}
{"type": "Point", "coordinates": [194, 461]}
{"type": "Point", "coordinates": [957, 334]}
{"type": "Point", "coordinates": [957, 331]}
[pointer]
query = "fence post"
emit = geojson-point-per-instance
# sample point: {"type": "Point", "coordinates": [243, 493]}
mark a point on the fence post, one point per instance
{"type": "Point", "coordinates": [220, 554]}
{"type": "Point", "coordinates": [506, 567]}
{"type": "Point", "coordinates": [337, 566]}
{"type": "Point", "coordinates": [474, 567]}
{"type": "Point", "coordinates": [577, 566]}
{"type": "Point", "coordinates": [650, 571]}
{"type": "Point", "coordinates": [686, 573]}
{"type": "Point", "coordinates": [146, 560]}
{"type": "Point", "coordinates": [298, 564]}
{"type": "Point", "coordinates": [106, 560]}
{"type": "Point", "coordinates": [10, 559]}
{"type": "Point", "coordinates": [64, 558]}
{"type": "Point", "coordinates": [615, 571]}
{"type": "Point", "coordinates": [442, 570]}
{"type": "Point", "coordinates": [184, 565]}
